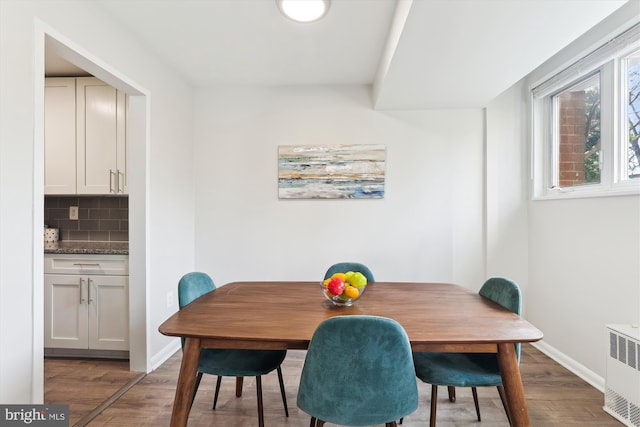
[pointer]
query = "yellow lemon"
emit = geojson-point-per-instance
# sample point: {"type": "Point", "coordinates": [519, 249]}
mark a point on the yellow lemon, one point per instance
{"type": "Point", "coordinates": [351, 292]}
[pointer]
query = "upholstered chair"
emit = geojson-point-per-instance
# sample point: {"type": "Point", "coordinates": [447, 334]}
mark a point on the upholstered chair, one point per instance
{"type": "Point", "coordinates": [230, 362]}
{"type": "Point", "coordinates": [358, 371]}
{"type": "Point", "coordinates": [343, 267]}
{"type": "Point", "coordinates": [470, 369]}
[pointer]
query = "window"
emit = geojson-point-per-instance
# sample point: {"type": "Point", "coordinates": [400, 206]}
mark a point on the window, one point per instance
{"type": "Point", "coordinates": [576, 137]}
{"type": "Point", "coordinates": [632, 105]}
{"type": "Point", "coordinates": [586, 124]}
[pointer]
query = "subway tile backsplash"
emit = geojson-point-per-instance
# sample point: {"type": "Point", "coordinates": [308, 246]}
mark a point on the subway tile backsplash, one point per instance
{"type": "Point", "coordinates": [100, 219]}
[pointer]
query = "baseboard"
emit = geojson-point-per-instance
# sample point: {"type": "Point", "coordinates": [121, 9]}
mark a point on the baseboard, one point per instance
{"type": "Point", "coordinates": [85, 353]}
{"type": "Point", "coordinates": [577, 368]}
{"type": "Point", "coordinates": [163, 355]}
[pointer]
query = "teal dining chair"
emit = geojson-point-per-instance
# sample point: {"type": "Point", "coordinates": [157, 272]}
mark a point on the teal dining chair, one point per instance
{"type": "Point", "coordinates": [343, 267]}
{"type": "Point", "coordinates": [230, 362]}
{"type": "Point", "coordinates": [470, 369]}
{"type": "Point", "coordinates": [358, 371]}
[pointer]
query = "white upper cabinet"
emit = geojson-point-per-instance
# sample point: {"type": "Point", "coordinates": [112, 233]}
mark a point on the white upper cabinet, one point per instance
{"type": "Point", "coordinates": [95, 162]}
{"type": "Point", "coordinates": [100, 138]}
{"type": "Point", "coordinates": [60, 136]}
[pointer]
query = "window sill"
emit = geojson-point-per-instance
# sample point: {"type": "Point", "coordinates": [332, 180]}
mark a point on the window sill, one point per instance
{"type": "Point", "coordinates": [589, 191]}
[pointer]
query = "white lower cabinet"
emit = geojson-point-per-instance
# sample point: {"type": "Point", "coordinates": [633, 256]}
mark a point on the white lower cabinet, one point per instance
{"type": "Point", "coordinates": [86, 302]}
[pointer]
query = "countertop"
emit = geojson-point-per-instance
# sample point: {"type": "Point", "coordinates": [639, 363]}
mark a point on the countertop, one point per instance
{"type": "Point", "coordinates": [99, 248]}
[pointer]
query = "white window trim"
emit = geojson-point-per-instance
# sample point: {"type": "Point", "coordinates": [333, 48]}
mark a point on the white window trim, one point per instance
{"type": "Point", "coordinates": [613, 156]}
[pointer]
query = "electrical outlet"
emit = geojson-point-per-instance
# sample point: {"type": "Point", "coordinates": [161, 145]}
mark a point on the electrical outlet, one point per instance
{"type": "Point", "coordinates": [169, 299]}
{"type": "Point", "coordinates": [73, 212]}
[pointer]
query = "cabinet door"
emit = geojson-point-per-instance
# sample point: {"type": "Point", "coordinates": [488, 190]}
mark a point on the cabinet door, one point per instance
{"type": "Point", "coordinates": [97, 133]}
{"type": "Point", "coordinates": [108, 312]}
{"type": "Point", "coordinates": [60, 136]}
{"type": "Point", "coordinates": [121, 144]}
{"type": "Point", "coordinates": [65, 311]}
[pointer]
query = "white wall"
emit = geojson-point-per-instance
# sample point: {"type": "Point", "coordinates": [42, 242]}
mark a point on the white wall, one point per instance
{"type": "Point", "coordinates": [507, 190]}
{"type": "Point", "coordinates": [428, 226]}
{"type": "Point", "coordinates": [164, 188]}
{"type": "Point", "coordinates": [579, 257]}
{"type": "Point", "coordinates": [584, 268]}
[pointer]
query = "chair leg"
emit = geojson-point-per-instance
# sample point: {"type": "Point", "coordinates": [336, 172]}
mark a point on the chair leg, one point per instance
{"type": "Point", "coordinates": [401, 419]}
{"type": "Point", "coordinates": [284, 395]}
{"type": "Point", "coordinates": [313, 422]}
{"type": "Point", "coordinates": [260, 408]}
{"type": "Point", "coordinates": [239, 386]}
{"type": "Point", "coordinates": [195, 388]}
{"type": "Point", "coordinates": [434, 399]}
{"type": "Point", "coordinates": [391, 424]}
{"type": "Point", "coordinates": [474, 391]}
{"type": "Point", "coordinates": [215, 395]}
{"type": "Point", "coordinates": [503, 398]}
{"type": "Point", "coordinates": [319, 423]}
{"type": "Point", "coordinates": [452, 393]}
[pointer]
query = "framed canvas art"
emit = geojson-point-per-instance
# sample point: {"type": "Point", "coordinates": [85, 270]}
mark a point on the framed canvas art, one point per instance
{"type": "Point", "coordinates": [331, 172]}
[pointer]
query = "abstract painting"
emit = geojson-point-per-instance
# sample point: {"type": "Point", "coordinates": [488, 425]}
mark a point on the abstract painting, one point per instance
{"type": "Point", "coordinates": [331, 172]}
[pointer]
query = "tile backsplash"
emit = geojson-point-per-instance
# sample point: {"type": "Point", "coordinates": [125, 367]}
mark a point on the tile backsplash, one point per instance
{"type": "Point", "coordinates": [100, 219]}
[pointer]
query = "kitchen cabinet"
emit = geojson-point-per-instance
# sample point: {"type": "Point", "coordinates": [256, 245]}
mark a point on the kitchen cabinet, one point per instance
{"type": "Point", "coordinates": [101, 142]}
{"type": "Point", "coordinates": [60, 136]}
{"type": "Point", "coordinates": [85, 137]}
{"type": "Point", "coordinates": [86, 302]}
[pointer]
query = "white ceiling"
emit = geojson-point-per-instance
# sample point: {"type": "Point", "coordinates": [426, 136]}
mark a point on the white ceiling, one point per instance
{"type": "Point", "coordinates": [425, 53]}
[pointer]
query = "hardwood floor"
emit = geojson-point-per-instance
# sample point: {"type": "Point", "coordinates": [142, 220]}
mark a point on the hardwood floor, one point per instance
{"type": "Point", "coordinates": [84, 384]}
{"type": "Point", "coordinates": [556, 397]}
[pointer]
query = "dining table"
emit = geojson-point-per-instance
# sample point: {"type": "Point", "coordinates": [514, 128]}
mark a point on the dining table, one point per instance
{"type": "Point", "coordinates": [437, 317]}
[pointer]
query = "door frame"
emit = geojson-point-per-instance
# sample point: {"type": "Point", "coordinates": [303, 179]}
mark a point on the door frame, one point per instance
{"type": "Point", "coordinates": [138, 143]}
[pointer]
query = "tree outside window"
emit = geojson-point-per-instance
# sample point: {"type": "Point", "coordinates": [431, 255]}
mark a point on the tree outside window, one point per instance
{"type": "Point", "coordinates": [633, 113]}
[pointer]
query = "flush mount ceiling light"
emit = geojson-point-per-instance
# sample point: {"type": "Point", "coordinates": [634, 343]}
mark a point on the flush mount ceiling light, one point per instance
{"type": "Point", "coordinates": [304, 10]}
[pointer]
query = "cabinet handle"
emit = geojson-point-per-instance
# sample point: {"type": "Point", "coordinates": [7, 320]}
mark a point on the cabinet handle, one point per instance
{"type": "Point", "coordinates": [83, 264]}
{"type": "Point", "coordinates": [81, 283]}
{"type": "Point", "coordinates": [120, 190]}
{"type": "Point", "coordinates": [89, 290]}
{"type": "Point", "coordinates": [112, 176]}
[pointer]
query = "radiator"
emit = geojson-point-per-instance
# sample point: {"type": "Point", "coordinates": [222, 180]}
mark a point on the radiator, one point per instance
{"type": "Point", "coordinates": [622, 381]}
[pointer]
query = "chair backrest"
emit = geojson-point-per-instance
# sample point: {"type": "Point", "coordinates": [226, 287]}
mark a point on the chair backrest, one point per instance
{"type": "Point", "coordinates": [193, 285]}
{"type": "Point", "coordinates": [358, 371]}
{"type": "Point", "coordinates": [343, 267]}
{"type": "Point", "coordinates": [506, 293]}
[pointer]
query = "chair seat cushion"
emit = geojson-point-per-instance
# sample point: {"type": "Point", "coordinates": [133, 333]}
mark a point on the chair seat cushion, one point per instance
{"type": "Point", "coordinates": [239, 363]}
{"type": "Point", "coordinates": [458, 369]}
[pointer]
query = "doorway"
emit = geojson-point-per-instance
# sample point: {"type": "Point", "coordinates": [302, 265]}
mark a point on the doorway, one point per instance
{"type": "Point", "coordinates": [58, 48]}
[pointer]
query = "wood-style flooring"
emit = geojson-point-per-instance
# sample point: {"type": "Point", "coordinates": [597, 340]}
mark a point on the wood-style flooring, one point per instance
{"type": "Point", "coordinates": [555, 396]}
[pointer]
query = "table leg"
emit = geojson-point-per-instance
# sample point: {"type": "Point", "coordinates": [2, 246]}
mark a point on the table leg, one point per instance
{"type": "Point", "coordinates": [186, 382]}
{"type": "Point", "coordinates": [512, 383]}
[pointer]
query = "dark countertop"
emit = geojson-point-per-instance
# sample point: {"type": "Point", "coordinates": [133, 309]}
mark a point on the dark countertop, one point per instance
{"type": "Point", "coordinates": [99, 248]}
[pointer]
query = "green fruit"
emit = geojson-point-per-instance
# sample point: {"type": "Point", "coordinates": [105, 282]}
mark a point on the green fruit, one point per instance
{"type": "Point", "coordinates": [348, 275]}
{"type": "Point", "coordinates": [358, 280]}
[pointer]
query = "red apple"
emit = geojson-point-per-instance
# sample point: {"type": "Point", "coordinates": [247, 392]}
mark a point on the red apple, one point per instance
{"type": "Point", "coordinates": [336, 286]}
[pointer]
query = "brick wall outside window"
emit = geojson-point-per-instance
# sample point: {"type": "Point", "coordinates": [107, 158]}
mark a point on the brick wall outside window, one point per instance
{"type": "Point", "coordinates": [572, 136]}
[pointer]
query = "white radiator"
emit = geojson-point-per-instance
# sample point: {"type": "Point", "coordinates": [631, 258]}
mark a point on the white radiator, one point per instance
{"type": "Point", "coordinates": [622, 383]}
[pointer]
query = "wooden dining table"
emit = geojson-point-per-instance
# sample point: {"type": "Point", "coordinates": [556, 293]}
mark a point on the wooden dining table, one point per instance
{"type": "Point", "coordinates": [437, 317]}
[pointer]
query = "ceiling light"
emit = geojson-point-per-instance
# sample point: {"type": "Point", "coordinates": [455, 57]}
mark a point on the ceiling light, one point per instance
{"type": "Point", "coordinates": [304, 10]}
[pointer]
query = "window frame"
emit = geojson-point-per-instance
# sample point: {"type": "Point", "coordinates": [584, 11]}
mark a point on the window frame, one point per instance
{"type": "Point", "coordinates": [608, 61]}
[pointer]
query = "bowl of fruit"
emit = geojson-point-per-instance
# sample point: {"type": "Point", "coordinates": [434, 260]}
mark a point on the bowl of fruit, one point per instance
{"type": "Point", "coordinates": [343, 289]}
